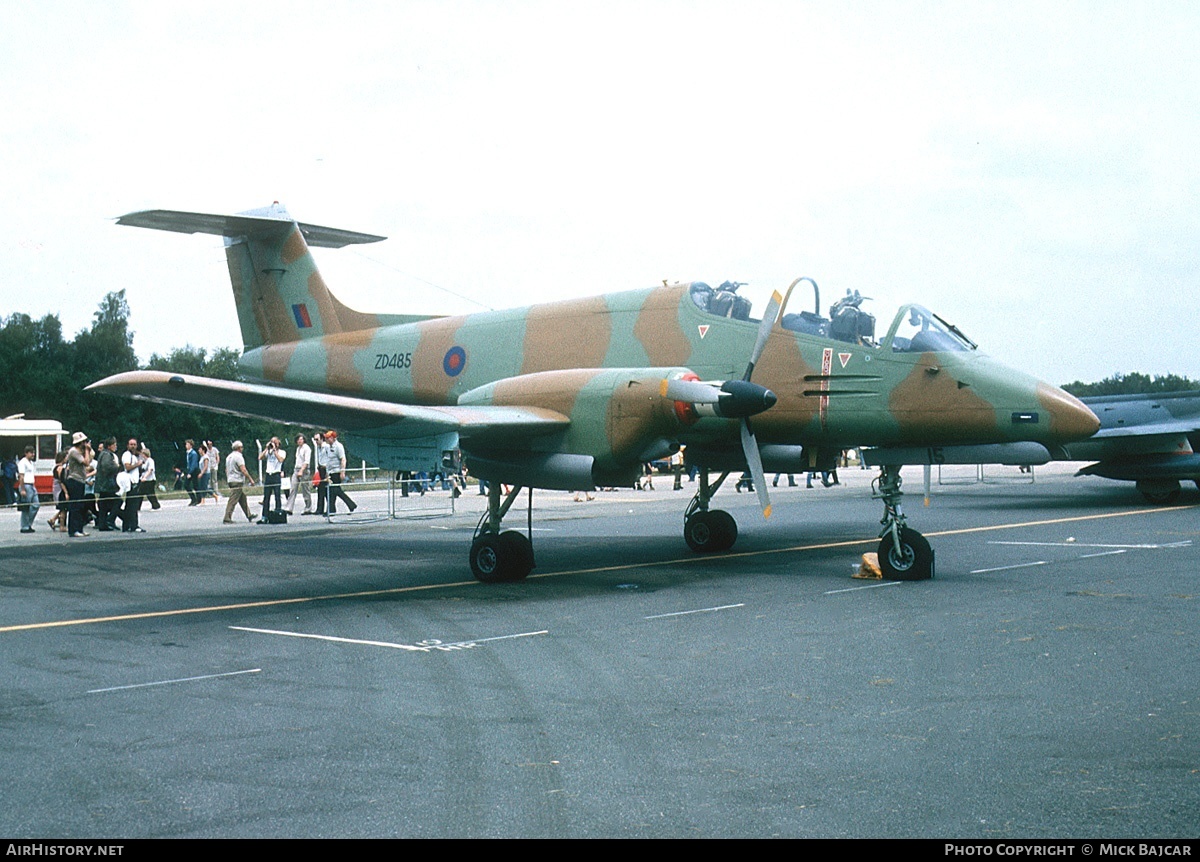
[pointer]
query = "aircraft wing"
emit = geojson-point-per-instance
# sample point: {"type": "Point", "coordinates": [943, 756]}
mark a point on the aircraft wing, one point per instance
{"type": "Point", "coordinates": [344, 413]}
{"type": "Point", "coordinates": [1149, 429]}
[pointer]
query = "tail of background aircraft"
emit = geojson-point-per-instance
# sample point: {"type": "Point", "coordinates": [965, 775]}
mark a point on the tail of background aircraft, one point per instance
{"type": "Point", "coordinates": [279, 292]}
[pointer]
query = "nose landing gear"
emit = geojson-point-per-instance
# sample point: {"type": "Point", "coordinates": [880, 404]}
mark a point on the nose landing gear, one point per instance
{"type": "Point", "coordinates": [904, 554]}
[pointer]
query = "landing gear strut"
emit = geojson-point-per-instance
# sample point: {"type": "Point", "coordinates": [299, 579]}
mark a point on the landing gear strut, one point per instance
{"type": "Point", "coordinates": [497, 557]}
{"type": "Point", "coordinates": [904, 554]}
{"type": "Point", "coordinates": [708, 531]}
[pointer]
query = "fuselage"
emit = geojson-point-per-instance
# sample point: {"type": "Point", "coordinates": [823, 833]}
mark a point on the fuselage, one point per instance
{"type": "Point", "coordinates": [830, 392]}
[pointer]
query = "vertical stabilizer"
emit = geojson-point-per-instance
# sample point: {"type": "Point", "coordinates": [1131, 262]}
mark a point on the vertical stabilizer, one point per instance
{"type": "Point", "coordinates": [279, 292]}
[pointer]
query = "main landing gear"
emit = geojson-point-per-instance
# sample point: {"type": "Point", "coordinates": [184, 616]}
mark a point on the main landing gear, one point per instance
{"type": "Point", "coordinates": [904, 554]}
{"type": "Point", "coordinates": [708, 531]}
{"type": "Point", "coordinates": [1160, 492]}
{"type": "Point", "coordinates": [498, 557]}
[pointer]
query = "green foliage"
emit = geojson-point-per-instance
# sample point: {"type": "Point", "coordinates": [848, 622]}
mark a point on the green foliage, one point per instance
{"type": "Point", "coordinates": [1133, 383]}
{"type": "Point", "coordinates": [43, 376]}
{"type": "Point", "coordinates": [37, 368]}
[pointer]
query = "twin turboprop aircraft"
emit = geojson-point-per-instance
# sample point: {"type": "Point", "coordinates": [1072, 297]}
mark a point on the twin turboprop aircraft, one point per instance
{"type": "Point", "coordinates": [577, 394]}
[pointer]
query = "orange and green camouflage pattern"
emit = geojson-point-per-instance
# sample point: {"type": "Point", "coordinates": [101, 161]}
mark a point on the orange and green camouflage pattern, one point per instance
{"type": "Point", "coordinates": [595, 361]}
{"type": "Point", "coordinates": [580, 393]}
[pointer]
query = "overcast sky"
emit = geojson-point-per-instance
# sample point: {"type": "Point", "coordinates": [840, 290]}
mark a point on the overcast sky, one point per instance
{"type": "Point", "coordinates": [1028, 171]}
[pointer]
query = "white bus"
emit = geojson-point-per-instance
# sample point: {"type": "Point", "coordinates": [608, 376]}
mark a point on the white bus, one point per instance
{"type": "Point", "coordinates": [45, 435]}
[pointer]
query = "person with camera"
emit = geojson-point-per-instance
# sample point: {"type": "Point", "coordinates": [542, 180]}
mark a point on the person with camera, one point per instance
{"type": "Point", "coordinates": [273, 455]}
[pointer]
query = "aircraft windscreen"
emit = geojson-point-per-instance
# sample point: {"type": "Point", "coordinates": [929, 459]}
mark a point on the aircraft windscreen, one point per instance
{"type": "Point", "coordinates": [917, 330]}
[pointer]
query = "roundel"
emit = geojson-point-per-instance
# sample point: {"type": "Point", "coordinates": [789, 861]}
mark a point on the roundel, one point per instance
{"type": "Point", "coordinates": [454, 361]}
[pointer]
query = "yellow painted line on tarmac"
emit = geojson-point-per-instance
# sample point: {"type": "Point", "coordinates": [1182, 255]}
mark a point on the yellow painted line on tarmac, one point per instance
{"type": "Point", "coordinates": [268, 603]}
{"type": "Point", "coordinates": [1069, 520]}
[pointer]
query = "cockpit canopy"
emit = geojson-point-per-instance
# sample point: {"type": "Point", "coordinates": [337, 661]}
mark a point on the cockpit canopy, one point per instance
{"type": "Point", "coordinates": [918, 330]}
{"type": "Point", "coordinates": [915, 329]}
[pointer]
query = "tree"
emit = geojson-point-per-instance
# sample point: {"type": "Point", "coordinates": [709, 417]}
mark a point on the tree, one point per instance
{"type": "Point", "coordinates": [35, 366]}
{"type": "Point", "coordinates": [1133, 383]}
{"type": "Point", "coordinates": [106, 348]}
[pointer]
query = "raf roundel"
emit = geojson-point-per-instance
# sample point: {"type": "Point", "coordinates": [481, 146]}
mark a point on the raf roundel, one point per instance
{"type": "Point", "coordinates": [454, 361]}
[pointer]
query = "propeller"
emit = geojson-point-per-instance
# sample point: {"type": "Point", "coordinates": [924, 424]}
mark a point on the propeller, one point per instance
{"type": "Point", "coordinates": [749, 444]}
{"type": "Point", "coordinates": [736, 399]}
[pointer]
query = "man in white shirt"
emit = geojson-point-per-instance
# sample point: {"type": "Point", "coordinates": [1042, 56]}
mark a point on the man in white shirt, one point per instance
{"type": "Point", "coordinates": [131, 462]}
{"type": "Point", "coordinates": [27, 496]}
{"type": "Point", "coordinates": [214, 465]}
{"type": "Point", "coordinates": [301, 477]}
{"type": "Point", "coordinates": [237, 477]}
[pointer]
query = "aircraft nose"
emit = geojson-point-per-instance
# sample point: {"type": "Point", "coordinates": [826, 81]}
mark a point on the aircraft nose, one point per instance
{"type": "Point", "coordinates": [1070, 418]}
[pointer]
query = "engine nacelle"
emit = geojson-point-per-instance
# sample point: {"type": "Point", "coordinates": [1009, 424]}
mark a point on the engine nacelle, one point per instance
{"type": "Point", "coordinates": [619, 419]}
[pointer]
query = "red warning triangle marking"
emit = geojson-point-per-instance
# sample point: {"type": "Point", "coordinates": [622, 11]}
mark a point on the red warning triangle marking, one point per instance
{"type": "Point", "coordinates": [844, 358]}
{"type": "Point", "coordinates": [703, 327]}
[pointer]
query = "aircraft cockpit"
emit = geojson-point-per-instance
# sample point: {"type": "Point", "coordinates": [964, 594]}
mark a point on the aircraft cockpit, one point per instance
{"type": "Point", "coordinates": [724, 301]}
{"type": "Point", "coordinates": [915, 329]}
{"type": "Point", "coordinates": [918, 330]}
{"type": "Point", "coordinates": [847, 320]}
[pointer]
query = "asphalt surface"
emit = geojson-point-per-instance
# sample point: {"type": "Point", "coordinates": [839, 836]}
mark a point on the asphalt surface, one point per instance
{"type": "Point", "coordinates": [350, 679]}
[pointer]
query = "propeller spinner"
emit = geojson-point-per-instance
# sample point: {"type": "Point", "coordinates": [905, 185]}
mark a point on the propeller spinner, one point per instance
{"type": "Point", "coordinates": [737, 399]}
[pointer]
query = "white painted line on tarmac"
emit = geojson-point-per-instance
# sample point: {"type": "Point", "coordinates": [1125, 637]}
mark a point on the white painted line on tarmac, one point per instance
{"type": "Point", "coordinates": [865, 587]}
{"type": "Point", "coordinates": [1183, 544]}
{"type": "Point", "coordinates": [1104, 554]}
{"type": "Point", "coordinates": [173, 681]}
{"type": "Point", "coordinates": [697, 611]}
{"type": "Point", "coordinates": [421, 646]}
{"type": "Point", "coordinates": [1006, 568]}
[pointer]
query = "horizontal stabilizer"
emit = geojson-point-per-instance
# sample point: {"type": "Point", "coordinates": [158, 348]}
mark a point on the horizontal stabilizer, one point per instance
{"type": "Point", "coordinates": [271, 221]}
{"type": "Point", "coordinates": [490, 425]}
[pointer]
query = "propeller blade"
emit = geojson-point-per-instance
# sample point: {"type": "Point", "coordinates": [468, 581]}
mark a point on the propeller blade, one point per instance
{"type": "Point", "coordinates": [754, 462]}
{"type": "Point", "coordinates": [764, 331]}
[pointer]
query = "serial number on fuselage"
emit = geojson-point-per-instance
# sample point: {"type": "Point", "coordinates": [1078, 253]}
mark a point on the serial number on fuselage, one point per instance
{"type": "Point", "coordinates": [392, 360]}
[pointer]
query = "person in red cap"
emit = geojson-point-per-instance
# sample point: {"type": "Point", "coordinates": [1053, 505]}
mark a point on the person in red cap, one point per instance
{"type": "Point", "coordinates": [334, 460]}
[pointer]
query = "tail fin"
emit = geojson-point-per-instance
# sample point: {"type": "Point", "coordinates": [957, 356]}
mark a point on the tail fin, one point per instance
{"type": "Point", "coordinates": [279, 292]}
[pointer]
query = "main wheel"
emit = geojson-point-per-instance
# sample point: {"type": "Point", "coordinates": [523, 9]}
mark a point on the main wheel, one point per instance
{"type": "Point", "coordinates": [710, 532]}
{"type": "Point", "coordinates": [913, 562]}
{"type": "Point", "coordinates": [491, 559]}
{"type": "Point", "coordinates": [1160, 492]}
{"type": "Point", "coordinates": [518, 551]}
{"type": "Point", "coordinates": [726, 528]}
{"type": "Point", "coordinates": [497, 559]}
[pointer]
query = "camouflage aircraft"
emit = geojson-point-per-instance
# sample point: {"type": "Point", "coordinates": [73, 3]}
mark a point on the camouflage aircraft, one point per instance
{"type": "Point", "coordinates": [1147, 439]}
{"type": "Point", "coordinates": [580, 393]}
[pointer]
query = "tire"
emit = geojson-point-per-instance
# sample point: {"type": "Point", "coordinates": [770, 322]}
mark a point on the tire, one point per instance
{"type": "Point", "coordinates": [913, 563]}
{"type": "Point", "coordinates": [726, 528]}
{"type": "Point", "coordinates": [488, 560]}
{"type": "Point", "coordinates": [710, 532]}
{"type": "Point", "coordinates": [1160, 492]}
{"type": "Point", "coordinates": [518, 553]}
